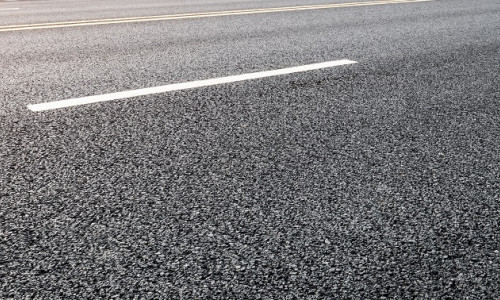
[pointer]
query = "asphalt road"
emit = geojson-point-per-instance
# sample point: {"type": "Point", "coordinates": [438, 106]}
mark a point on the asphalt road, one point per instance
{"type": "Point", "coordinates": [373, 180]}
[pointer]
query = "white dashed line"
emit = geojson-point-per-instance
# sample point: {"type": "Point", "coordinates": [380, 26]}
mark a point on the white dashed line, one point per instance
{"type": "Point", "coordinates": [183, 86]}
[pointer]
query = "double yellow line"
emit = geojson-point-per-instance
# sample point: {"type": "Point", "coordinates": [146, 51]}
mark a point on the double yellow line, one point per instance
{"type": "Point", "coordinates": [21, 27]}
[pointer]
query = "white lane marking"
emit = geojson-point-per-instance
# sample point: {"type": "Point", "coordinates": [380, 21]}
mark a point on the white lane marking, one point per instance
{"type": "Point", "coordinates": [11, 8]}
{"type": "Point", "coordinates": [19, 27]}
{"type": "Point", "coordinates": [183, 86]}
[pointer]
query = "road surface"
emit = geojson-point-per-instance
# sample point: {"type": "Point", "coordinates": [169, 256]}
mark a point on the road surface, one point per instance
{"type": "Point", "coordinates": [375, 178]}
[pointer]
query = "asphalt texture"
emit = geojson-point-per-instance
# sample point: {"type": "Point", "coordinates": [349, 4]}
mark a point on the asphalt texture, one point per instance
{"type": "Point", "coordinates": [367, 181]}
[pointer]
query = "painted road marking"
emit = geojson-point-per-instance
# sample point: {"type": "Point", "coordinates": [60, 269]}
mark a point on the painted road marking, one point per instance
{"type": "Point", "coordinates": [10, 8]}
{"type": "Point", "coordinates": [198, 15]}
{"type": "Point", "coordinates": [183, 86]}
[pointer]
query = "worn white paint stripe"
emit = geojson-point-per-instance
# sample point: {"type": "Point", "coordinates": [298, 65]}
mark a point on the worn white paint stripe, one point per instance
{"type": "Point", "coordinates": [183, 86]}
{"type": "Point", "coordinates": [10, 8]}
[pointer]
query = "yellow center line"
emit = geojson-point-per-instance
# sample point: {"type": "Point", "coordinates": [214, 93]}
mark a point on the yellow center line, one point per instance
{"type": "Point", "coordinates": [197, 15]}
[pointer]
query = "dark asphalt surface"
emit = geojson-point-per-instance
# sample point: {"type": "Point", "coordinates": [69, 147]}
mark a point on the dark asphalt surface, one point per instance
{"type": "Point", "coordinates": [368, 181]}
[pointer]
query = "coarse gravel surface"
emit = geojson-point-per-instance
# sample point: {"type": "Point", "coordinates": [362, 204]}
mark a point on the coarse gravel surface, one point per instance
{"type": "Point", "coordinates": [369, 181]}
